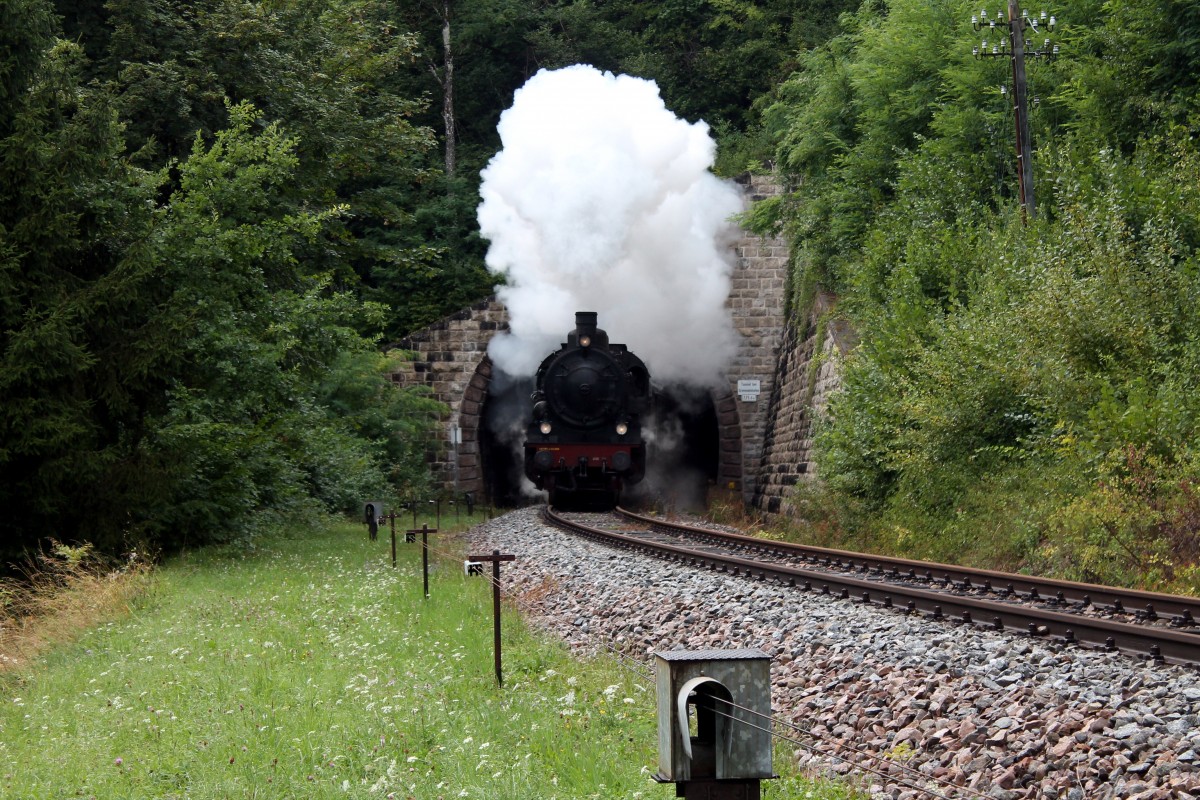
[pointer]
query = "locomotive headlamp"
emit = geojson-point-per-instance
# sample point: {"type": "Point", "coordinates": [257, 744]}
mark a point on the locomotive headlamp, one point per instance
{"type": "Point", "coordinates": [585, 341]}
{"type": "Point", "coordinates": [622, 428]}
{"type": "Point", "coordinates": [545, 428]}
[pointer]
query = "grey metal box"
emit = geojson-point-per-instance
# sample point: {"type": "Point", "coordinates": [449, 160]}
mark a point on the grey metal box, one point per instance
{"type": "Point", "coordinates": [714, 715]}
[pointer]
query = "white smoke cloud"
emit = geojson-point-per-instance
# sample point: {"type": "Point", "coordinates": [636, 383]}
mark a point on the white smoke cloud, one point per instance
{"type": "Point", "coordinates": [602, 200]}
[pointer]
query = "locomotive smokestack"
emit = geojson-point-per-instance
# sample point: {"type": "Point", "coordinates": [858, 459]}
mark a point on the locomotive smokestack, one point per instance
{"type": "Point", "coordinates": [586, 330]}
{"type": "Point", "coordinates": [585, 323]}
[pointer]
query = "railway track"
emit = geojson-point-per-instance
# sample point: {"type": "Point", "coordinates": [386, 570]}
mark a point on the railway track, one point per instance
{"type": "Point", "coordinates": [1146, 624]}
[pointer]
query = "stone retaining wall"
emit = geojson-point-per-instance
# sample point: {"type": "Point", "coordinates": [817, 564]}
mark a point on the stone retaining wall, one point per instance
{"type": "Point", "coordinates": [800, 391]}
{"type": "Point", "coordinates": [756, 303]}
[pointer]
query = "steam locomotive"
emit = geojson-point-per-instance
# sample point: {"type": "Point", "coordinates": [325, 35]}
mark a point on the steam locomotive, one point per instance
{"type": "Point", "coordinates": [584, 443]}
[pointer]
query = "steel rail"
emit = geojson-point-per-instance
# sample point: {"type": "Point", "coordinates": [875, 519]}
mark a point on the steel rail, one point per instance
{"type": "Point", "coordinates": [1185, 611]}
{"type": "Point", "coordinates": [1158, 643]}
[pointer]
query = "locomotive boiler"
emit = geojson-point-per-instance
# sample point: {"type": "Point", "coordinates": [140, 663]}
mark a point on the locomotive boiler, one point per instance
{"type": "Point", "coordinates": [584, 442]}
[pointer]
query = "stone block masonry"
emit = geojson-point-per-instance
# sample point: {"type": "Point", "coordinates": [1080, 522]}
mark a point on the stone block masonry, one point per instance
{"type": "Point", "coordinates": [451, 359]}
{"type": "Point", "coordinates": [808, 371]}
{"type": "Point", "coordinates": [756, 304]}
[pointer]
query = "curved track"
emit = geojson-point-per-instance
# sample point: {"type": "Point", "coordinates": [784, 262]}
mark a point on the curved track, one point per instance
{"type": "Point", "coordinates": [1159, 626]}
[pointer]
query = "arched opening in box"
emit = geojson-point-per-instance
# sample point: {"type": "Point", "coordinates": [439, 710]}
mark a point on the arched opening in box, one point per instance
{"type": "Point", "coordinates": [705, 722]}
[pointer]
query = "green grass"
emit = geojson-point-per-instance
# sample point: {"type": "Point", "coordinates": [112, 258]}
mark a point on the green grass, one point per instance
{"type": "Point", "coordinates": [308, 667]}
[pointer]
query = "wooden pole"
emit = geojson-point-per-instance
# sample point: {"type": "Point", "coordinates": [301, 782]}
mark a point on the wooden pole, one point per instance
{"type": "Point", "coordinates": [1016, 25]}
{"type": "Point", "coordinates": [496, 617]}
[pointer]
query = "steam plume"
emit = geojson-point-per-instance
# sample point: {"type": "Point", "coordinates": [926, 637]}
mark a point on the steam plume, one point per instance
{"type": "Point", "coordinates": [602, 200]}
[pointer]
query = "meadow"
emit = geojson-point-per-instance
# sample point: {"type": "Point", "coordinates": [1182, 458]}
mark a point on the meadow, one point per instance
{"type": "Point", "coordinates": [307, 666]}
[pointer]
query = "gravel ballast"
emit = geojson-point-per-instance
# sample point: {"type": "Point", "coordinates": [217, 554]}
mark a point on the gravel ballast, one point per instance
{"type": "Point", "coordinates": [941, 709]}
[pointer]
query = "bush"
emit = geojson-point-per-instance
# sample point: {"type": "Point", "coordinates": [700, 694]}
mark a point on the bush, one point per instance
{"type": "Point", "coordinates": [1137, 525]}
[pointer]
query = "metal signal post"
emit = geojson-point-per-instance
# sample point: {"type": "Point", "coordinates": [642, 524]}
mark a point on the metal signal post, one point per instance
{"type": "Point", "coordinates": [411, 535]}
{"type": "Point", "coordinates": [496, 557]}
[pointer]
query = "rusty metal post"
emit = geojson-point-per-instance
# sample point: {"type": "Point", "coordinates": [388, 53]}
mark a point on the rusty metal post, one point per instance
{"type": "Point", "coordinates": [496, 616]}
{"type": "Point", "coordinates": [496, 558]}
{"type": "Point", "coordinates": [425, 556]}
{"type": "Point", "coordinates": [411, 536]}
{"type": "Point", "coordinates": [393, 544]}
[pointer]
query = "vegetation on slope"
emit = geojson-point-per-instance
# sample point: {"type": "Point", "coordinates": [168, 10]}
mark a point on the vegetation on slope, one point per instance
{"type": "Point", "coordinates": [1023, 393]}
{"type": "Point", "coordinates": [180, 352]}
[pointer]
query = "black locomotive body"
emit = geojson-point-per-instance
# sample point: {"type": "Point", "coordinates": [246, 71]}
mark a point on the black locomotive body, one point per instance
{"type": "Point", "coordinates": [584, 443]}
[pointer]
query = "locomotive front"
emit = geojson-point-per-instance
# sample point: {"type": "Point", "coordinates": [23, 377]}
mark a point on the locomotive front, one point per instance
{"type": "Point", "coordinates": [584, 443]}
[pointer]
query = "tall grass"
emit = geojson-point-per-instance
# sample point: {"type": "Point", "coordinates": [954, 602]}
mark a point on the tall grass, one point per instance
{"type": "Point", "coordinates": [62, 593]}
{"type": "Point", "coordinates": [309, 667]}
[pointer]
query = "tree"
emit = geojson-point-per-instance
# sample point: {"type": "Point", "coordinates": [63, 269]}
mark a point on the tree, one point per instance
{"type": "Point", "coordinates": [1034, 382]}
{"type": "Point", "coordinates": [165, 355]}
{"type": "Point", "coordinates": [72, 212]}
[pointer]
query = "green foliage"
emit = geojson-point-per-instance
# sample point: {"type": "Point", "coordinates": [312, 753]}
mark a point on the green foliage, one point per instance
{"type": "Point", "coordinates": [1137, 524]}
{"type": "Point", "coordinates": [1004, 369]}
{"type": "Point", "coordinates": [331, 72]}
{"type": "Point", "coordinates": [440, 269]}
{"type": "Point", "coordinates": [170, 347]}
{"type": "Point", "coordinates": [360, 396]}
{"type": "Point", "coordinates": [268, 397]}
{"type": "Point", "coordinates": [1077, 344]}
{"type": "Point", "coordinates": [1137, 69]}
{"type": "Point", "coordinates": [71, 211]}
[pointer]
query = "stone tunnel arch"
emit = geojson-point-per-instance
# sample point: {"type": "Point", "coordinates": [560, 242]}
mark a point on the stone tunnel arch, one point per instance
{"type": "Point", "coordinates": [449, 358]}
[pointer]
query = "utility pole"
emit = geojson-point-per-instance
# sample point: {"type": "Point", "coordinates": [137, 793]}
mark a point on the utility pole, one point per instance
{"type": "Point", "coordinates": [1021, 112]}
{"type": "Point", "coordinates": [1017, 23]}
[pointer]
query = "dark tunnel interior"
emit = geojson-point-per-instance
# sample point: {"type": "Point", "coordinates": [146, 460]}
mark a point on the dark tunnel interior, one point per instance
{"type": "Point", "coordinates": [501, 432]}
{"type": "Point", "coordinates": [684, 456]}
